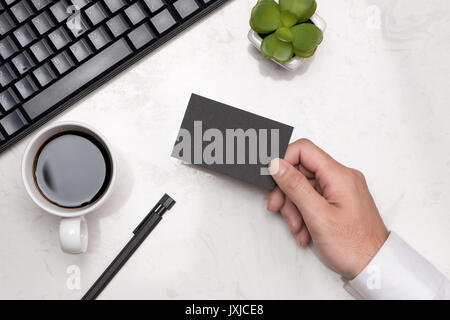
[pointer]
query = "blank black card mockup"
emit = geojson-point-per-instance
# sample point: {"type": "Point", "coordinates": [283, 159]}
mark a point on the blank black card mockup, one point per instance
{"type": "Point", "coordinates": [230, 141]}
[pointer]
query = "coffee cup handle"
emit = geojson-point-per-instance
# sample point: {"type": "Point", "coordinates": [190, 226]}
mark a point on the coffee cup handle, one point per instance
{"type": "Point", "coordinates": [73, 235]}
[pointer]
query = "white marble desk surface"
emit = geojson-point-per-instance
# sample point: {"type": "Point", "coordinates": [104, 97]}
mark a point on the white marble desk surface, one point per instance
{"type": "Point", "coordinates": [375, 96]}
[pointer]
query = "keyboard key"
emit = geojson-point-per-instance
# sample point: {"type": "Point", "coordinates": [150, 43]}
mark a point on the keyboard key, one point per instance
{"type": "Point", "coordinates": [42, 23]}
{"type": "Point", "coordinates": [135, 13]}
{"type": "Point", "coordinates": [141, 36]}
{"type": "Point", "coordinates": [6, 23]}
{"type": "Point", "coordinates": [114, 5]}
{"type": "Point", "coordinates": [6, 75]}
{"type": "Point", "coordinates": [9, 2]}
{"type": "Point", "coordinates": [24, 35]}
{"type": "Point", "coordinates": [79, 4]}
{"type": "Point", "coordinates": [44, 74]}
{"type": "Point", "coordinates": [76, 25]}
{"type": "Point", "coordinates": [26, 87]}
{"type": "Point", "coordinates": [117, 25]}
{"type": "Point", "coordinates": [99, 38]}
{"type": "Point", "coordinates": [59, 38]}
{"type": "Point", "coordinates": [62, 62]}
{"type": "Point", "coordinates": [59, 11]}
{"type": "Point", "coordinates": [8, 99]}
{"type": "Point", "coordinates": [40, 4]}
{"type": "Point", "coordinates": [163, 21]}
{"type": "Point", "coordinates": [80, 50]}
{"type": "Point", "coordinates": [13, 122]}
{"type": "Point", "coordinates": [7, 48]}
{"type": "Point", "coordinates": [21, 11]}
{"type": "Point", "coordinates": [41, 50]}
{"type": "Point", "coordinates": [154, 5]}
{"type": "Point", "coordinates": [2, 138]}
{"type": "Point", "coordinates": [186, 7]}
{"type": "Point", "coordinates": [77, 79]}
{"type": "Point", "coordinates": [23, 62]}
{"type": "Point", "coordinates": [95, 13]}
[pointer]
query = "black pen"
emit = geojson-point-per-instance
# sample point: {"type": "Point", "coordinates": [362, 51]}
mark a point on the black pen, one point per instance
{"type": "Point", "coordinates": [140, 234]}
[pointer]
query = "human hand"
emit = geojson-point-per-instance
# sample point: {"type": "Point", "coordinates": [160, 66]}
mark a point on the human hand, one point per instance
{"type": "Point", "coordinates": [328, 203]}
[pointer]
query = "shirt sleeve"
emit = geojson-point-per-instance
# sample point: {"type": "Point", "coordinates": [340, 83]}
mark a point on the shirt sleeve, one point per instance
{"type": "Point", "coordinates": [399, 272]}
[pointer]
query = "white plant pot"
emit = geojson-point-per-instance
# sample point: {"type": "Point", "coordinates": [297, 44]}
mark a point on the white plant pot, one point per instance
{"type": "Point", "coordinates": [296, 62]}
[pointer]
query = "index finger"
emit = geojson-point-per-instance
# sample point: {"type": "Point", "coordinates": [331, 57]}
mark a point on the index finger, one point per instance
{"type": "Point", "coordinates": [311, 157]}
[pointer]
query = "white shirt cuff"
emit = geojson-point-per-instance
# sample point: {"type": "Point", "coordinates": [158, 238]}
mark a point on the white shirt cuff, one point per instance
{"type": "Point", "coordinates": [398, 272]}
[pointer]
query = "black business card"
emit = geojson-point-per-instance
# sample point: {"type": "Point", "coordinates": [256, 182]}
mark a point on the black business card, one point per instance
{"type": "Point", "coordinates": [230, 141]}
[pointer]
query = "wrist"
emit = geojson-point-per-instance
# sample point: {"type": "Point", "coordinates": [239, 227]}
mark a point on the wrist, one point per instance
{"type": "Point", "coordinates": [369, 251]}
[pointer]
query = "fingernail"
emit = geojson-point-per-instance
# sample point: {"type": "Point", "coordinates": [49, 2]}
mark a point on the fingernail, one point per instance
{"type": "Point", "coordinates": [276, 168]}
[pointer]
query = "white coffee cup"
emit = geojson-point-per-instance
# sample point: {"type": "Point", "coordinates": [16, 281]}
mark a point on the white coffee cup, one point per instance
{"type": "Point", "coordinates": [73, 230]}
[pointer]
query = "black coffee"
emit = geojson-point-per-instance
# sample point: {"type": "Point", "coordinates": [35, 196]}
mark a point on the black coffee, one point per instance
{"type": "Point", "coordinates": [72, 169]}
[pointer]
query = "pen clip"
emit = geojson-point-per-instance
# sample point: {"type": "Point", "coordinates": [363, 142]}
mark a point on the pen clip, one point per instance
{"type": "Point", "coordinates": [164, 204]}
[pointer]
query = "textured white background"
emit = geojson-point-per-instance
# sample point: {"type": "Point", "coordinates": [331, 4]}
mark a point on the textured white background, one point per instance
{"type": "Point", "coordinates": [375, 96]}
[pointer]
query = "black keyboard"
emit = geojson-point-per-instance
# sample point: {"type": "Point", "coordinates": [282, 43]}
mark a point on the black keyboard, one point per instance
{"type": "Point", "coordinates": [55, 52]}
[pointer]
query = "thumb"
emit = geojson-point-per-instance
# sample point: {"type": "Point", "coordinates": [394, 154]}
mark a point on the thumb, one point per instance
{"type": "Point", "coordinates": [297, 188]}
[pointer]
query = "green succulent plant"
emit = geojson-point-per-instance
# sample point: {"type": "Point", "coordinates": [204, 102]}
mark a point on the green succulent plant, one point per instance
{"type": "Point", "coordinates": [286, 28]}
